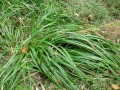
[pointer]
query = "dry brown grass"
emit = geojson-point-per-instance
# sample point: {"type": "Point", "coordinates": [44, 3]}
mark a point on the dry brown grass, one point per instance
{"type": "Point", "coordinates": [111, 31]}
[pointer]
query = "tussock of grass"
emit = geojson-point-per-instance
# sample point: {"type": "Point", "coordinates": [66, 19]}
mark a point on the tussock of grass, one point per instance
{"type": "Point", "coordinates": [62, 57]}
{"type": "Point", "coordinates": [52, 48]}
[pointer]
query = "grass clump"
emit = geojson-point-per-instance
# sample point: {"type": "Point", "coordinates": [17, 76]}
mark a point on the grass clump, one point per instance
{"type": "Point", "coordinates": [60, 56]}
{"type": "Point", "coordinates": [63, 57]}
{"type": "Point", "coordinates": [37, 37]}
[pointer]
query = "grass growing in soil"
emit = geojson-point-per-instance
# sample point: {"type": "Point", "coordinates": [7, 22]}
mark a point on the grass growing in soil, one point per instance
{"type": "Point", "coordinates": [40, 39]}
